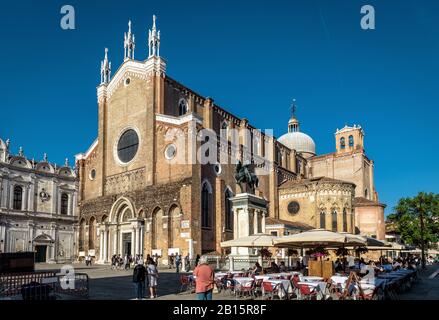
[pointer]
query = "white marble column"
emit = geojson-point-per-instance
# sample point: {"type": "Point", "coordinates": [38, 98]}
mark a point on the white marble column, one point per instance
{"type": "Point", "coordinates": [255, 221]}
{"type": "Point", "coordinates": [74, 203]}
{"type": "Point", "coordinates": [133, 236]}
{"type": "Point", "coordinates": [263, 222]}
{"type": "Point", "coordinates": [114, 240]}
{"type": "Point", "coordinates": [11, 196]}
{"type": "Point", "coordinates": [235, 224]}
{"type": "Point", "coordinates": [4, 195]}
{"type": "Point", "coordinates": [105, 251]}
{"type": "Point", "coordinates": [120, 235]}
{"type": "Point", "coordinates": [54, 197]}
{"type": "Point", "coordinates": [141, 240]}
{"type": "Point", "coordinates": [136, 240]}
{"type": "Point", "coordinates": [31, 205]}
{"type": "Point", "coordinates": [2, 237]}
{"type": "Point", "coordinates": [101, 246]}
{"type": "Point", "coordinates": [25, 199]}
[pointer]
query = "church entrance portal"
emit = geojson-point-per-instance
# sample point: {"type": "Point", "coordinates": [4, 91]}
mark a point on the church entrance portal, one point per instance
{"type": "Point", "coordinates": [126, 243]}
{"type": "Point", "coordinates": [40, 253]}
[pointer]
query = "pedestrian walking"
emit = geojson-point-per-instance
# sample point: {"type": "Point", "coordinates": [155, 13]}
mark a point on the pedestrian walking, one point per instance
{"type": "Point", "coordinates": [153, 275]}
{"type": "Point", "coordinates": [171, 261]}
{"type": "Point", "coordinates": [187, 262]}
{"type": "Point", "coordinates": [178, 262]}
{"type": "Point", "coordinates": [126, 262]}
{"type": "Point", "coordinates": [139, 275]}
{"type": "Point", "coordinates": [205, 280]}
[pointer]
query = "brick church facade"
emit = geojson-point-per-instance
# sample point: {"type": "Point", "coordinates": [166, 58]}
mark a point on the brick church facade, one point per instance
{"type": "Point", "coordinates": [142, 189]}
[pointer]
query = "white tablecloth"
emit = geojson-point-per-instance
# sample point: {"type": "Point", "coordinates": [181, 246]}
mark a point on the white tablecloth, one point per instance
{"type": "Point", "coordinates": [244, 281]}
{"type": "Point", "coordinates": [311, 278]}
{"type": "Point", "coordinates": [263, 277]}
{"type": "Point", "coordinates": [220, 274]}
{"type": "Point", "coordinates": [286, 284]}
{"type": "Point", "coordinates": [341, 280]}
{"type": "Point", "coordinates": [320, 286]}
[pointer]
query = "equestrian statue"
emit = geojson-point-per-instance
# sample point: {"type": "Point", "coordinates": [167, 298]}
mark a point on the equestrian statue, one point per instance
{"type": "Point", "coordinates": [246, 178]}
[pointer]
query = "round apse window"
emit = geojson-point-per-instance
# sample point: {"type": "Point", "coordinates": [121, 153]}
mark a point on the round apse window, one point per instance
{"type": "Point", "coordinates": [92, 174]}
{"type": "Point", "coordinates": [127, 146]}
{"type": "Point", "coordinates": [293, 207]}
{"type": "Point", "coordinates": [170, 152]}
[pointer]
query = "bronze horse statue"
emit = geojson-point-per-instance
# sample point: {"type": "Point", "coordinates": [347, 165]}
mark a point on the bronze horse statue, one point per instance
{"type": "Point", "coordinates": [245, 176]}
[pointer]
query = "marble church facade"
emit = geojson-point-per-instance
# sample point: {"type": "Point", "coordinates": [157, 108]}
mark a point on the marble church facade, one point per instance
{"type": "Point", "coordinates": [37, 206]}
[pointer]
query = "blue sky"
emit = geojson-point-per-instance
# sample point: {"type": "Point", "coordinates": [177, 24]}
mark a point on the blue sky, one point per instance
{"type": "Point", "coordinates": [252, 57]}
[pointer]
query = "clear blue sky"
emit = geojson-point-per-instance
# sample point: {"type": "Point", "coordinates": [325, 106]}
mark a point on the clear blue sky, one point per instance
{"type": "Point", "coordinates": [252, 57]}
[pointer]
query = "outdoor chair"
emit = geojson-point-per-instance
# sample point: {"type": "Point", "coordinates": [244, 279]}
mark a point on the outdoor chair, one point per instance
{"type": "Point", "coordinates": [258, 287]}
{"type": "Point", "coordinates": [242, 290]}
{"type": "Point", "coordinates": [270, 292]}
{"type": "Point", "coordinates": [295, 284]}
{"type": "Point", "coordinates": [307, 293]}
{"type": "Point", "coordinates": [230, 284]}
{"type": "Point", "coordinates": [186, 284]}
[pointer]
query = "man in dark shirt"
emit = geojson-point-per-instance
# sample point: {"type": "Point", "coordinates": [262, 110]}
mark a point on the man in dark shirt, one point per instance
{"type": "Point", "coordinates": [139, 275]}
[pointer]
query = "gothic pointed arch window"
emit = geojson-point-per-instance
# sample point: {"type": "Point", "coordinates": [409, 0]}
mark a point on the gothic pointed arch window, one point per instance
{"type": "Point", "coordinates": [351, 141]}
{"type": "Point", "coordinates": [18, 198]}
{"type": "Point", "coordinates": [228, 210]}
{"type": "Point", "coordinates": [206, 195]}
{"type": "Point", "coordinates": [92, 233]}
{"type": "Point", "coordinates": [334, 220]}
{"type": "Point", "coordinates": [64, 203]}
{"type": "Point", "coordinates": [182, 107]}
{"type": "Point", "coordinates": [342, 143]}
{"type": "Point", "coordinates": [322, 219]}
{"type": "Point", "coordinates": [82, 235]}
{"type": "Point", "coordinates": [256, 145]}
{"type": "Point", "coordinates": [345, 220]}
{"type": "Point", "coordinates": [224, 130]}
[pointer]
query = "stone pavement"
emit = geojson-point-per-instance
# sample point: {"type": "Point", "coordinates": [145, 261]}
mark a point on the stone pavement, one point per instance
{"type": "Point", "coordinates": [108, 284]}
{"type": "Point", "coordinates": [425, 288]}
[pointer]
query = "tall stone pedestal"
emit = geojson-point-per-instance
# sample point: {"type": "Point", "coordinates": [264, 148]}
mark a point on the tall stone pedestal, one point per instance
{"type": "Point", "coordinates": [249, 218]}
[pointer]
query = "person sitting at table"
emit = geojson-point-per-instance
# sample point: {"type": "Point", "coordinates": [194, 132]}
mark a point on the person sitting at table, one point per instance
{"type": "Point", "coordinates": [338, 267]}
{"type": "Point", "coordinates": [257, 269]}
{"type": "Point", "coordinates": [274, 267]}
{"type": "Point", "coordinates": [282, 267]}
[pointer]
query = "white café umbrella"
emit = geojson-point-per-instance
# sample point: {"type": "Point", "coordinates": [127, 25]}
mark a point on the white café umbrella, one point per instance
{"type": "Point", "coordinates": [255, 240]}
{"type": "Point", "coordinates": [319, 237]}
{"type": "Point", "coordinates": [355, 240]}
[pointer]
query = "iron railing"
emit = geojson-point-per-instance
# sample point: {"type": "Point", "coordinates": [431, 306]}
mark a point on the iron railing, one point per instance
{"type": "Point", "coordinates": [43, 286]}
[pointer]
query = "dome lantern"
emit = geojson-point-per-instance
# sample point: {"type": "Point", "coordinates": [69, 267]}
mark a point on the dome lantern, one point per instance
{"type": "Point", "coordinates": [296, 140]}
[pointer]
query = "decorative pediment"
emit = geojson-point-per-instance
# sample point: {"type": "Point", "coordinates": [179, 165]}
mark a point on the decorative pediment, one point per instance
{"type": "Point", "coordinates": [134, 69]}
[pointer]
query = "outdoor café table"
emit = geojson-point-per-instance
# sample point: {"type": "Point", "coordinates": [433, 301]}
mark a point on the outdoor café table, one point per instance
{"type": "Point", "coordinates": [273, 275]}
{"type": "Point", "coordinates": [320, 286]}
{"type": "Point", "coordinates": [243, 281]}
{"type": "Point", "coordinates": [263, 277]}
{"type": "Point", "coordinates": [285, 284]}
{"type": "Point", "coordinates": [375, 282]}
{"type": "Point", "coordinates": [220, 274]}
{"type": "Point", "coordinates": [283, 274]}
{"type": "Point", "coordinates": [341, 280]}
{"type": "Point", "coordinates": [311, 279]}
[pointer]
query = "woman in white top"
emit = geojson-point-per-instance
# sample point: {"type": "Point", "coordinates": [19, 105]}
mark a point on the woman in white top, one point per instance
{"type": "Point", "coordinates": [153, 274]}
